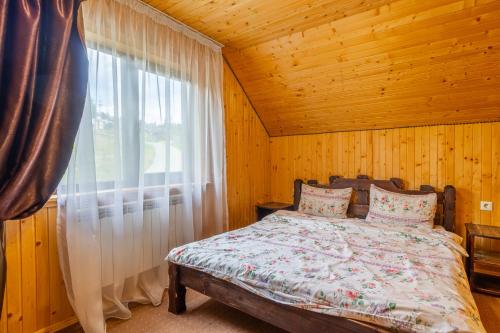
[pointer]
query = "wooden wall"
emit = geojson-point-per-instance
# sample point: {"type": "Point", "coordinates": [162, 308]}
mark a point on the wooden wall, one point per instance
{"type": "Point", "coordinates": [248, 155]}
{"type": "Point", "coordinates": [466, 156]}
{"type": "Point", "coordinates": [35, 299]}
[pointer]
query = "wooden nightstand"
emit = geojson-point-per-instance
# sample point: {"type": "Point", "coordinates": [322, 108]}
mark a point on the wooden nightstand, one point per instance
{"type": "Point", "coordinates": [267, 208]}
{"type": "Point", "coordinates": [483, 267]}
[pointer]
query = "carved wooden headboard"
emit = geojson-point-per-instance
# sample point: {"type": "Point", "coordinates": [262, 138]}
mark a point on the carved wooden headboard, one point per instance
{"type": "Point", "coordinates": [360, 202]}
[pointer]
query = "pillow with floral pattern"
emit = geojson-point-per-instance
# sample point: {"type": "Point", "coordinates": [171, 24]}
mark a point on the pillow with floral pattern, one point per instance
{"type": "Point", "coordinates": [325, 202]}
{"type": "Point", "coordinates": [393, 207]}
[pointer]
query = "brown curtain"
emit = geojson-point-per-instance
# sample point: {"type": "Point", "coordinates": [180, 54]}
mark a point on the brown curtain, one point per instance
{"type": "Point", "coordinates": [43, 81]}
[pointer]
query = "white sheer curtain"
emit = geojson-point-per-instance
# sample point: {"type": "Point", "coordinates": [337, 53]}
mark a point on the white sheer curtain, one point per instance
{"type": "Point", "coordinates": [148, 167]}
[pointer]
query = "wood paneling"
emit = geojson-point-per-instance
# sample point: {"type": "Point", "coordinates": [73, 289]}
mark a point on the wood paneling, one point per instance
{"type": "Point", "coordinates": [247, 152]}
{"type": "Point", "coordinates": [325, 66]}
{"type": "Point", "coordinates": [35, 298]}
{"type": "Point", "coordinates": [248, 22]}
{"type": "Point", "coordinates": [466, 156]}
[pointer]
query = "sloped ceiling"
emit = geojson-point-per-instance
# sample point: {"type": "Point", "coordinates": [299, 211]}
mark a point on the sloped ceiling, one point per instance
{"type": "Point", "coordinates": [337, 65]}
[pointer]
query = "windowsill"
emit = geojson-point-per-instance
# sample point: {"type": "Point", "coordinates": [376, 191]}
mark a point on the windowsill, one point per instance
{"type": "Point", "coordinates": [107, 197]}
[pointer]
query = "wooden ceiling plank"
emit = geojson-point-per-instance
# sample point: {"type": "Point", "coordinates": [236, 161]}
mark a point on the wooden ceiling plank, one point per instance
{"type": "Point", "coordinates": [287, 25]}
{"type": "Point", "coordinates": [375, 106]}
{"type": "Point", "coordinates": [407, 32]}
{"type": "Point", "coordinates": [478, 62]}
{"type": "Point", "coordinates": [391, 65]}
{"type": "Point", "coordinates": [346, 27]}
{"type": "Point", "coordinates": [376, 101]}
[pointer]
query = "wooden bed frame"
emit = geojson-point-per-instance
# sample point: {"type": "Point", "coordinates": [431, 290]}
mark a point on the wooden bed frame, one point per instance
{"type": "Point", "coordinates": [287, 317]}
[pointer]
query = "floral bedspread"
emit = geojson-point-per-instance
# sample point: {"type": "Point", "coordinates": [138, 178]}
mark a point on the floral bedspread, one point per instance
{"type": "Point", "coordinates": [398, 277]}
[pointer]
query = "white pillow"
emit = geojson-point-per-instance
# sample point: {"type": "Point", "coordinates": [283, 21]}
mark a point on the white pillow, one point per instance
{"type": "Point", "coordinates": [387, 206]}
{"type": "Point", "coordinates": [326, 202]}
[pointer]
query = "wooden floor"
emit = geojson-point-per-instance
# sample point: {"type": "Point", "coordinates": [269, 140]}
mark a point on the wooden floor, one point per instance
{"type": "Point", "coordinates": [489, 310]}
{"type": "Point", "coordinates": [208, 316]}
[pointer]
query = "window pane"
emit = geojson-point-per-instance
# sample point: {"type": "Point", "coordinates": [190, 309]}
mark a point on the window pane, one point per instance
{"type": "Point", "coordinates": [125, 99]}
{"type": "Point", "coordinates": [104, 104]}
{"type": "Point", "coordinates": [155, 126]}
{"type": "Point", "coordinates": [175, 127]}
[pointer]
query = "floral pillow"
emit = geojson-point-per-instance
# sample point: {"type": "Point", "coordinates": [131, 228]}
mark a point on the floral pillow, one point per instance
{"type": "Point", "coordinates": [387, 206]}
{"type": "Point", "coordinates": [325, 201]}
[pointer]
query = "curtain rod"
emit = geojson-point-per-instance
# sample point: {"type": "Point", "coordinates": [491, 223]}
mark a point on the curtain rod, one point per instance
{"type": "Point", "coordinates": [183, 24]}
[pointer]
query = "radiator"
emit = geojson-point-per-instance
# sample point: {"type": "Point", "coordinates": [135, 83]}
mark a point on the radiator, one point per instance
{"type": "Point", "coordinates": [147, 238]}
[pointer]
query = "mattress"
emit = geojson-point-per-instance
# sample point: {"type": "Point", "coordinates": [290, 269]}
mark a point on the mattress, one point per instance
{"type": "Point", "coordinates": [399, 277]}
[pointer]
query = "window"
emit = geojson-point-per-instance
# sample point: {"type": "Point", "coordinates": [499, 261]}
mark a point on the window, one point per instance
{"type": "Point", "coordinates": [142, 111]}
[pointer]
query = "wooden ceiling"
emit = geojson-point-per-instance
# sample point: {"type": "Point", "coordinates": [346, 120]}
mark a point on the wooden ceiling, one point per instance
{"type": "Point", "coordinates": [338, 65]}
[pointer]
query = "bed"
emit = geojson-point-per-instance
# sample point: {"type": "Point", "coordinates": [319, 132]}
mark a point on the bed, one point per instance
{"type": "Point", "coordinates": [306, 273]}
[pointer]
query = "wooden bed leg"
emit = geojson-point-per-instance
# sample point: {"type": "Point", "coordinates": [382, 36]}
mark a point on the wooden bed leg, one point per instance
{"type": "Point", "coordinates": [176, 291]}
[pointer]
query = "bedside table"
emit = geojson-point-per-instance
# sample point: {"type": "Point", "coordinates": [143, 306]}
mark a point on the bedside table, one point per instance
{"type": "Point", "coordinates": [267, 208]}
{"type": "Point", "coordinates": [483, 267]}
